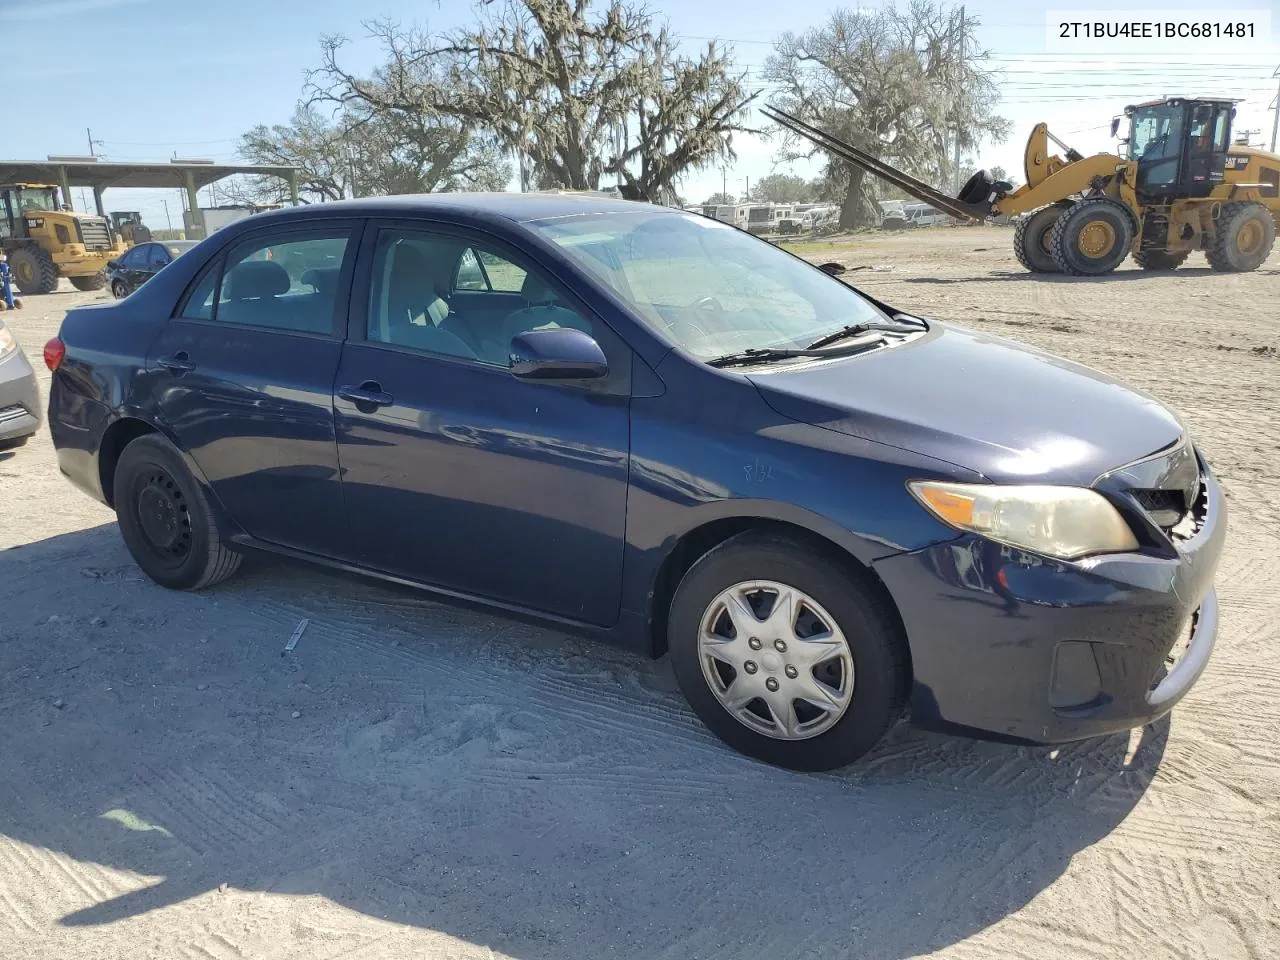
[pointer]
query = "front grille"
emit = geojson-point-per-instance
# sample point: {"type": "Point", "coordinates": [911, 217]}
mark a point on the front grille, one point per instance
{"type": "Point", "coordinates": [94, 233]}
{"type": "Point", "coordinates": [1165, 507]}
{"type": "Point", "coordinates": [1169, 511]}
{"type": "Point", "coordinates": [16, 412]}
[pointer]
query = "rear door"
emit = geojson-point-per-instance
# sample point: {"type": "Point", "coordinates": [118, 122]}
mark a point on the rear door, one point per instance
{"type": "Point", "coordinates": [243, 376]}
{"type": "Point", "coordinates": [455, 472]}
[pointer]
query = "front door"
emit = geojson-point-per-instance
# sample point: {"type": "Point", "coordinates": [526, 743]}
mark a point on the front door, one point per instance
{"type": "Point", "coordinates": [454, 472]}
{"type": "Point", "coordinates": [244, 378]}
{"type": "Point", "coordinates": [1208, 139]}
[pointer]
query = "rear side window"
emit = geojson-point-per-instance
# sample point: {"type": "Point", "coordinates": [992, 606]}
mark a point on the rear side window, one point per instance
{"type": "Point", "coordinates": [157, 256]}
{"type": "Point", "coordinates": [285, 281]}
{"type": "Point", "coordinates": [199, 305]}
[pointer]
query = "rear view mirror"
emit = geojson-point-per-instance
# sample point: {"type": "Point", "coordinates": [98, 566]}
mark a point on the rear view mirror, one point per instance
{"type": "Point", "coordinates": [1115, 125]}
{"type": "Point", "coordinates": [560, 353]}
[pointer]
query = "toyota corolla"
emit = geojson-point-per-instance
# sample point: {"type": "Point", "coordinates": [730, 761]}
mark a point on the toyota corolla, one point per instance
{"type": "Point", "coordinates": [653, 428]}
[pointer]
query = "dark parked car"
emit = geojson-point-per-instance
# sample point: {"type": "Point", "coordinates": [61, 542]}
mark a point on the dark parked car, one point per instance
{"type": "Point", "coordinates": [654, 428]}
{"type": "Point", "coordinates": [141, 263]}
{"type": "Point", "coordinates": [19, 397]}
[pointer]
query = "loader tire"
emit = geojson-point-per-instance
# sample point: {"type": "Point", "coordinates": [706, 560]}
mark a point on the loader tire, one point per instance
{"type": "Point", "coordinates": [1159, 259]}
{"type": "Point", "coordinates": [1093, 237]}
{"type": "Point", "coordinates": [94, 281]}
{"type": "Point", "coordinates": [1031, 238]}
{"type": "Point", "coordinates": [1246, 233]}
{"type": "Point", "coordinates": [33, 270]}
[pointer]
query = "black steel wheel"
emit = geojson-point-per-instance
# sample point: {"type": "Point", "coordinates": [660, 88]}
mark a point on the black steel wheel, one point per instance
{"type": "Point", "coordinates": [165, 519]}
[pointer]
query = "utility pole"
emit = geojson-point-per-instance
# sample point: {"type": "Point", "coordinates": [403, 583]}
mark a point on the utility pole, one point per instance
{"type": "Point", "coordinates": [167, 218]}
{"type": "Point", "coordinates": [1275, 123]}
{"type": "Point", "coordinates": [92, 142]}
{"type": "Point", "coordinates": [748, 194]}
{"type": "Point", "coordinates": [955, 156]}
{"type": "Point", "coordinates": [724, 181]}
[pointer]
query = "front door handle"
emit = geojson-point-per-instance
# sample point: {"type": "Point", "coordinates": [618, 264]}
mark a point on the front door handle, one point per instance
{"type": "Point", "coordinates": [367, 397]}
{"type": "Point", "coordinates": [178, 363]}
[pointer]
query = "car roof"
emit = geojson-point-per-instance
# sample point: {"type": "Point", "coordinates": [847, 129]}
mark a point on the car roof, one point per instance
{"type": "Point", "coordinates": [518, 207]}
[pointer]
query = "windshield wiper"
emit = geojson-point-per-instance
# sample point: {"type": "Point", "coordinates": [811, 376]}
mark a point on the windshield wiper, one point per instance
{"type": "Point", "coordinates": [858, 329]}
{"type": "Point", "coordinates": [767, 354]}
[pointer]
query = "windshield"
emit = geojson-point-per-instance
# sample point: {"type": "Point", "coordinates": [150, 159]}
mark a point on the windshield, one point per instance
{"type": "Point", "coordinates": [707, 286]}
{"type": "Point", "coordinates": [36, 200]}
{"type": "Point", "coordinates": [1157, 133]}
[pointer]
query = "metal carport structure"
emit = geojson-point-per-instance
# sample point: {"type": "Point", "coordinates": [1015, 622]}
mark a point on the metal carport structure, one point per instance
{"type": "Point", "coordinates": [101, 174]}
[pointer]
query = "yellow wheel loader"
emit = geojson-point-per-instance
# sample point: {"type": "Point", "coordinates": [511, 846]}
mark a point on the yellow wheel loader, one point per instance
{"type": "Point", "coordinates": [44, 241]}
{"type": "Point", "coordinates": [1183, 186]}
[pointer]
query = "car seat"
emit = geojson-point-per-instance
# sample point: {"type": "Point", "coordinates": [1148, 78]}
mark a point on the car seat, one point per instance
{"type": "Point", "coordinates": [415, 310]}
{"type": "Point", "coordinates": [543, 312]}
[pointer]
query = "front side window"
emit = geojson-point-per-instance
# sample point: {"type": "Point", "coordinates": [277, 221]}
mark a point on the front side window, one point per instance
{"type": "Point", "coordinates": [444, 295]}
{"type": "Point", "coordinates": [707, 286]}
{"type": "Point", "coordinates": [157, 256]}
{"type": "Point", "coordinates": [286, 282]}
{"type": "Point", "coordinates": [1157, 133]}
{"type": "Point", "coordinates": [36, 200]}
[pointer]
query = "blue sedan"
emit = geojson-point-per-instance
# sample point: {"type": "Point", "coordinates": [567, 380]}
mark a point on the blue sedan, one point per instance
{"type": "Point", "coordinates": [653, 428]}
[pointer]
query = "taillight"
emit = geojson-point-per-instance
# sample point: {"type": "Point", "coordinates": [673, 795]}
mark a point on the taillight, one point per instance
{"type": "Point", "coordinates": [54, 352]}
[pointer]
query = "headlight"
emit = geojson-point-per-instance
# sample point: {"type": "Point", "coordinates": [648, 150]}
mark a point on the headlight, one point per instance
{"type": "Point", "coordinates": [7, 343]}
{"type": "Point", "coordinates": [1063, 522]}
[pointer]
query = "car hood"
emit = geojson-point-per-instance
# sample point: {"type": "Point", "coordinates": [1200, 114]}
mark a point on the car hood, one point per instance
{"type": "Point", "coordinates": [1007, 411]}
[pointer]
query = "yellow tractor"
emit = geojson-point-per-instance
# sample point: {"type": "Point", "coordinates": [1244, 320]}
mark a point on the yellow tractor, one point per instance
{"type": "Point", "coordinates": [44, 240]}
{"type": "Point", "coordinates": [1183, 186]}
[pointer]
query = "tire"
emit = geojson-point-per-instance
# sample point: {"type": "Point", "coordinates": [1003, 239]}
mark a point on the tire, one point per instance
{"type": "Point", "coordinates": [119, 290]}
{"type": "Point", "coordinates": [1031, 238]}
{"type": "Point", "coordinates": [1159, 259]}
{"type": "Point", "coordinates": [14, 442]}
{"type": "Point", "coordinates": [1092, 238]}
{"type": "Point", "coordinates": [33, 270]}
{"type": "Point", "coordinates": [165, 519]}
{"type": "Point", "coordinates": [864, 686]}
{"type": "Point", "coordinates": [977, 188]}
{"type": "Point", "coordinates": [95, 281]}
{"type": "Point", "coordinates": [1245, 235]}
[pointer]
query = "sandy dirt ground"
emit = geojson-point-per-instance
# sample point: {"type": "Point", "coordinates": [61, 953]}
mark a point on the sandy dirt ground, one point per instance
{"type": "Point", "coordinates": [416, 781]}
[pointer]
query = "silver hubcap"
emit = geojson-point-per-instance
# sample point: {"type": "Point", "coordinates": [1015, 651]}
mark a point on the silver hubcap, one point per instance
{"type": "Point", "coordinates": [775, 659]}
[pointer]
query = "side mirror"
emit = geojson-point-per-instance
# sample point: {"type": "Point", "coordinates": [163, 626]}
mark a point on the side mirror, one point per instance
{"type": "Point", "coordinates": [560, 353]}
{"type": "Point", "coordinates": [113, 264]}
{"type": "Point", "coordinates": [1115, 125]}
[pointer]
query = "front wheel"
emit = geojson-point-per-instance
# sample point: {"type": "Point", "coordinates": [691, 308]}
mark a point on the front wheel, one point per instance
{"type": "Point", "coordinates": [119, 290]}
{"type": "Point", "coordinates": [1092, 238]}
{"type": "Point", "coordinates": [786, 657]}
{"type": "Point", "coordinates": [165, 519]}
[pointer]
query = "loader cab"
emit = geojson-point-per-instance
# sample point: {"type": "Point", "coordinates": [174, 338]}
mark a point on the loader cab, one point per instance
{"type": "Point", "coordinates": [1180, 146]}
{"type": "Point", "coordinates": [21, 201]}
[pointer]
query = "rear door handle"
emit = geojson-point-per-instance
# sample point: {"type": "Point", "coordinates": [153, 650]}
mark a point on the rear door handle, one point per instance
{"type": "Point", "coordinates": [178, 363]}
{"type": "Point", "coordinates": [367, 397]}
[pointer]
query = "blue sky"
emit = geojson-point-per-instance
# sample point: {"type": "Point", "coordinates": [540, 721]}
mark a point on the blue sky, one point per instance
{"type": "Point", "coordinates": [151, 77]}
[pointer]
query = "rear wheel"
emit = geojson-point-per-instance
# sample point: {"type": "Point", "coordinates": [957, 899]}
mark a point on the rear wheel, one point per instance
{"type": "Point", "coordinates": [33, 270]}
{"type": "Point", "coordinates": [94, 281]}
{"type": "Point", "coordinates": [1092, 238]}
{"type": "Point", "coordinates": [165, 519]}
{"type": "Point", "coordinates": [786, 657]}
{"type": "Point", "coordinates": [1031, 238]}
{"type": "Point", "coordinates": [1246, 233]}
{"type": "Point", "coordinates": [1159, 259]}
{"type": "Point", "coordinates": [119, 290]}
